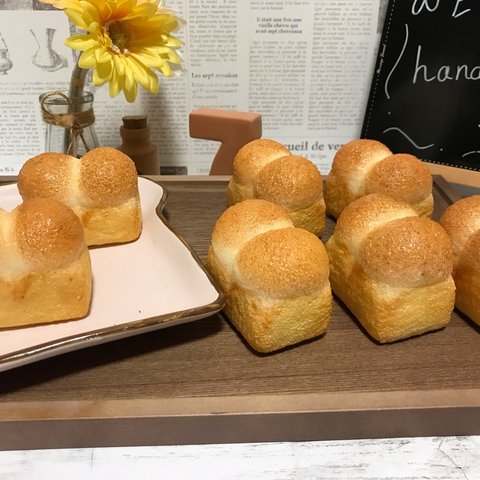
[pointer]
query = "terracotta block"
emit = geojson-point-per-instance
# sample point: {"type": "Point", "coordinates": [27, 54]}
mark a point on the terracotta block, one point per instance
{"type": "Point", "coordinates": [232, 129]}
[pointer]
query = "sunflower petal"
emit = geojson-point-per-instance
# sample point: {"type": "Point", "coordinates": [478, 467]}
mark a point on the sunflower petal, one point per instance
{"type": "Point", "coordinates": [129, 78]}
{"type": "Point", "coordinates": [102, 8]}
{"type": "Point", "coordinates": [143, 75]}
{"type": "Point", "coordinates": [81, 42]}
{"type": "Point", "coordinates": [173, 42]}
{"type": "Point", "coordinates": [130, 85]}
{"type": "Point", "coordinates": [121, 8]}
{"type": "Point", "coordinates": [62, 4]}
{"type": "Point", "coordinates": [130, 92]}
{"type": "Point", "coordinates": [143, 10]}
{"type": "Point", "coordinates": [77, 18]}
{"type": "Point", "coordinates": [87, 58]}
{"type": "Point", "coordinates": [102, 55]}
{"type": "Point", "coordinates": [165, 69]}
{"type": "Point", "coordinates": [119, 64]}
{"type": "Point", "coordinates": [90, 12]}
{"type": "Point", "coordinates": [155, 57]}
{"type": "Point", "coordinates": [102, 73]}
{"type": "Point", "coordinates": [116, 84]}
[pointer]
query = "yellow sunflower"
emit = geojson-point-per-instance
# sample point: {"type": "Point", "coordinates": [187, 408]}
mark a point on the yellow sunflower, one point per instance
{"type": "Point", "coordinates": [125, 41]}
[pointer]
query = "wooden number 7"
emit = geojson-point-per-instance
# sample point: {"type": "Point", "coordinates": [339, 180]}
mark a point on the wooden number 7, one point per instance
{"type": "Point", "coordinates": [232, 129]}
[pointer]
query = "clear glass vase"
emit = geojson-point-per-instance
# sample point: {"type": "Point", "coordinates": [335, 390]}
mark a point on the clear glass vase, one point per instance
{"type": "Point", "coordinates": [70, 123]}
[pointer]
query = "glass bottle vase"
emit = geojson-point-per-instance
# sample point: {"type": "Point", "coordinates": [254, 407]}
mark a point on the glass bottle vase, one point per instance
{"type": "Point", "coordinates": [70, 123]}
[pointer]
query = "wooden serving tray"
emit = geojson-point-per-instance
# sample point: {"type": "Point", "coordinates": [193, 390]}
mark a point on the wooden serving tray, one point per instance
{"type": "Point", "coordinates": [200, 382]}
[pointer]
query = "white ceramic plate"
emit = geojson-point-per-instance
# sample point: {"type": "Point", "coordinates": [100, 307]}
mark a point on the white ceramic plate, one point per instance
{"type": "Point", "coordinates": [152, 283]}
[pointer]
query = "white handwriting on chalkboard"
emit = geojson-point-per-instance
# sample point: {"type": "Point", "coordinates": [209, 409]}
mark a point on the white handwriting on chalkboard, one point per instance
{"type": "Point", "coordinates": [473, 152]}
{"type": "Point", "coordinates": [397, 62]}
{"type": "Point", "coordinates": [440, 74]}
{"type": "Point", "coordinates": [419, 5]}
{"type": "Point", "coordinates": [456, 14]}
{"type": "Point", "coordinates": [399, 130]}
{"type": "Point", "coordinates": [445, 72]}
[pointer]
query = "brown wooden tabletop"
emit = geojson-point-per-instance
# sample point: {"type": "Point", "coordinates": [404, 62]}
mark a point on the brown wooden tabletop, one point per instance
{"type": "Point", "coordinates": [200, 383]}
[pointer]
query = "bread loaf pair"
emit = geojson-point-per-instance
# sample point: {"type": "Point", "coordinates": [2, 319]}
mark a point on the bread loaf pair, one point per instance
{"type": "Point", "coordinates": [45, 271]}
{"type": "Point", "coordinates": [275, 276]}
{"type": "Point", "coordinates": [391, 268]}
{"type": "Point", "coordinates": [363, 166]}
{"type": "Point", "coordinates": [101, 188]}
{"type": "Point", "coordinates": [265, 169]}
{"type": "Point", "coordinates": [462, 222]}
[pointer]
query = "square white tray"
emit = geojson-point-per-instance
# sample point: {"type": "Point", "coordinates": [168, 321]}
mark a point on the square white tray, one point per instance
{"type": "Point", "coordinates": [152, 283]}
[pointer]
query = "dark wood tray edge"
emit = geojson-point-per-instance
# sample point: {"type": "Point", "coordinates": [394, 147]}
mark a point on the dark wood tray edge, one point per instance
{"type": "Point", "coordinates": [330, 416]}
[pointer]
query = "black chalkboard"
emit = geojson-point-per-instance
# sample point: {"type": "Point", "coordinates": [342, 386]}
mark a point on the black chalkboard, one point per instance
{"type": "Point", "coordinates": [425, 93]}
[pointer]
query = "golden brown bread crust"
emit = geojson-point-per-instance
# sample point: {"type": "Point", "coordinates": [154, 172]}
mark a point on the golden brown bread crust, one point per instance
{"type": "Point", "coordinates": [366, 166]}
{"type": "Point", "coordinates": [350, 164]}
{"type": "Point", "coordinates": [236, 226]}
{"type": "Point", "coordinates": [253, 156]}
{"type": "Point", "coordinates": [101, 188]}
{"type": "Point", "coordinates": [245, 219]}
{"type": "Point", "coordinates": [108, 177]}
{"type": "Point", "coordinates": [388, 313]}
{"type": "Point", "coordinates": [292, 181]}
{"type": "Point", "coordinates": [47, 234]}
{"type": "Point", "coordinates": [45, 175]}
{"type": "Point", "coordinates": [357, 157]}
{"type": "Point", "coordinates": [461, 220]}
{"type": "Point", "coordinates": [296, 184]}
{"type": "Point", "coordinates": [337, 195]}
{"type": "Point", "coordinates": [408, 252]}
{"type": "Point", "coordinates": [471, 253]}
{"type": "Point", "coordinates": [272, 263]}
{"type": "Point", "coordinates": [402, 176]}
{"type": "Point", "coordinates": [391, 268]}
{"type": "Point", "coordinates": [265, 169]}
{"type": "Point", "coordinates": [270, 326]}
{"type": "Point", "coordinates": [467, 300]}
{"type": "Point", "coordinates": [248, 161]}
{"type": "Point", "coordinates": [275, 276]}
{"type": "Point", "coordinates": [45, 271]}
{"type": "Point", "coordinates": [367, 213]}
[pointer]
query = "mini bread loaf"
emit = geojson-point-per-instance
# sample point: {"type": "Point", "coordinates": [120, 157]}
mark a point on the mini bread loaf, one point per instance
{"type": "Point", "coordinates": [363, 166]}
{"type": "Point", "coordinates": [462, 222]}
{"type": "Point", "coordinates": [45, 271]}
{"type": "Point", "coordinates": [275, 276]}
{"type": "Point", "coordinates": [247, 163]}
{"type": "Point", "coordinates": [101, 188]}
{"type": "Point", "coordinates": [391, 268]}
{"type": "Point", "coordinates": [266, 170]}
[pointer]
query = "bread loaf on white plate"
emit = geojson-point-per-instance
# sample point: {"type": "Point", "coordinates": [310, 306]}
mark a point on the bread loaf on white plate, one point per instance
{"type": "Point", "coordinates": [265, 169]}
{"type": "Point", "coordinates": [45, 271]}
{"type": "Point", "coordinates": [365, 166]}
{"type": "Point", "coordinates": [275, 276]}
{"type": "Point", "coordinates": [462, 222]}
{"type": "Point", "coordinates": [391, 268]}
{"type": "Point", "coordinates": [101, 188]}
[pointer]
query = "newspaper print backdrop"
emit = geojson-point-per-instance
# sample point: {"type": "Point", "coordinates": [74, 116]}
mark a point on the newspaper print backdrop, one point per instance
{"type": "Point", "coordinates": [304, 65]}
{"type": "Point", "coordinates": [425, 94]}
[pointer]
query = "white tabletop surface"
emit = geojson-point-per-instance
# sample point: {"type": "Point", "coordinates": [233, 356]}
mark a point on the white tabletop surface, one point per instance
{"type": "Point", "coordinates": [402, 458]}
